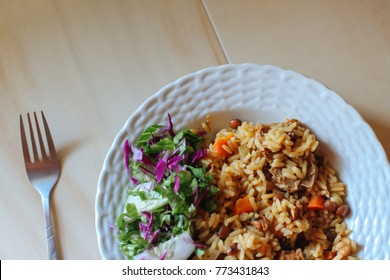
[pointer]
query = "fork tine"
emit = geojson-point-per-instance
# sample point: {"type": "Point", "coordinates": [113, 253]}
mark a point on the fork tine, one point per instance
{"type": "Point", "coordinates": [26, 153]}
{"type": "Point", "coordinates": [53, 154]}
{"type": "Point", "coordinates": [34, 146]}
{"type": "Point", "coordinates": [43, 151]}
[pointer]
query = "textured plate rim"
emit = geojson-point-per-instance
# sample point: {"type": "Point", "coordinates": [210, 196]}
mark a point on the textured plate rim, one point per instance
{"type": "Point", "coordinates": [169, 86]}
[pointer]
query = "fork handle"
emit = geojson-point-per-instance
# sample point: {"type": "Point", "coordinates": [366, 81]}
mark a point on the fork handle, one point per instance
{"type": "Point", "coordinates": [51, 245]}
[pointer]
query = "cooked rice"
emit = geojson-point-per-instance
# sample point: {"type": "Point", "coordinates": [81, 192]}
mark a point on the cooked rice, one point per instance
{"type": "Point", "coordinates": [262, 163]}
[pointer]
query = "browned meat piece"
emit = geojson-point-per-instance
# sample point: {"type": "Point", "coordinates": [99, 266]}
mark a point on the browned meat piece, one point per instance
{"type": "Point", "coordinates": [287, 184]}
{"type": "Point", "coordinates": [291, 255]}
{"type": "Point", "coordinates": [311, 175]}
{"type": "Point", "coordinates": [268, 155]}
{"type": "Point", "coordinates": [262, 224]}
{"type": "Point", "coordinates": [290, 185]}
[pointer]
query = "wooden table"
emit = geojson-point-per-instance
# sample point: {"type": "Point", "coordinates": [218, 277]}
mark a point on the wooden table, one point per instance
{"type": "Point", "coordinates": [88, 64]}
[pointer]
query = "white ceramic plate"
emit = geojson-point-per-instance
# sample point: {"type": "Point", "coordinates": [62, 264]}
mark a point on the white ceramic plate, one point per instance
{"type": "Point", "coordinates": [263, 93]}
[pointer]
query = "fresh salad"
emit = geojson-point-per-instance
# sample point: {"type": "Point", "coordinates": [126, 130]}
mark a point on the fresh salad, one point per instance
{"type": "Point", "coordinates": [169, 183]}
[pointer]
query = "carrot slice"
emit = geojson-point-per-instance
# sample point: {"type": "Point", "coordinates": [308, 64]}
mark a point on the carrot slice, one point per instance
{"type": "Point", "coordinates": [243, 205]}
{"type": "Point", "coordinates": [316, 202]}
{"type": "Point", "coordinates": [219, 143]}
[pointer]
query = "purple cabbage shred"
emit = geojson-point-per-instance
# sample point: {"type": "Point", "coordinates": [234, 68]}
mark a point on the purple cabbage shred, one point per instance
{"type": "Point", "coordinates": [176, 186]}
{"type": "Point", "coordinates": [198, 155]}
{"type": "Point", "coordinates": [164, 255]}
{"type": "Point", "coordinates": [161, 167]}
{"type": "Point", "coordinates": [127, 155]}
{"type": "Point", "coordinates": [146, 229]}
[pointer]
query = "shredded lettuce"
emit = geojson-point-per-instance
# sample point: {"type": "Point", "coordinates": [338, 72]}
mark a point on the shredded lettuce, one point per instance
{"type": "Point", "coordinates": [150, 135]}
{"type": "Point", "coordinates": [131, 210]}
{"type": "Point", "coordinates": [170, 183]}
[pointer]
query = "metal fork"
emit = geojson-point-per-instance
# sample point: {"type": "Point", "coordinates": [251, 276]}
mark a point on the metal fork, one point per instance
{"type": "Point", "coordinates": [43, 172]}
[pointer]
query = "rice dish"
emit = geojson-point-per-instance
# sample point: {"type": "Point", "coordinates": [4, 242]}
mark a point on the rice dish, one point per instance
{"type": "Point", "coordinates": [278, 197]}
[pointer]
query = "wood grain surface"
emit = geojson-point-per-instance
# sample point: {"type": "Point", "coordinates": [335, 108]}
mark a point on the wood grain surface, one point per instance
{"type": "Point", "coordinates": [88, 64]}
